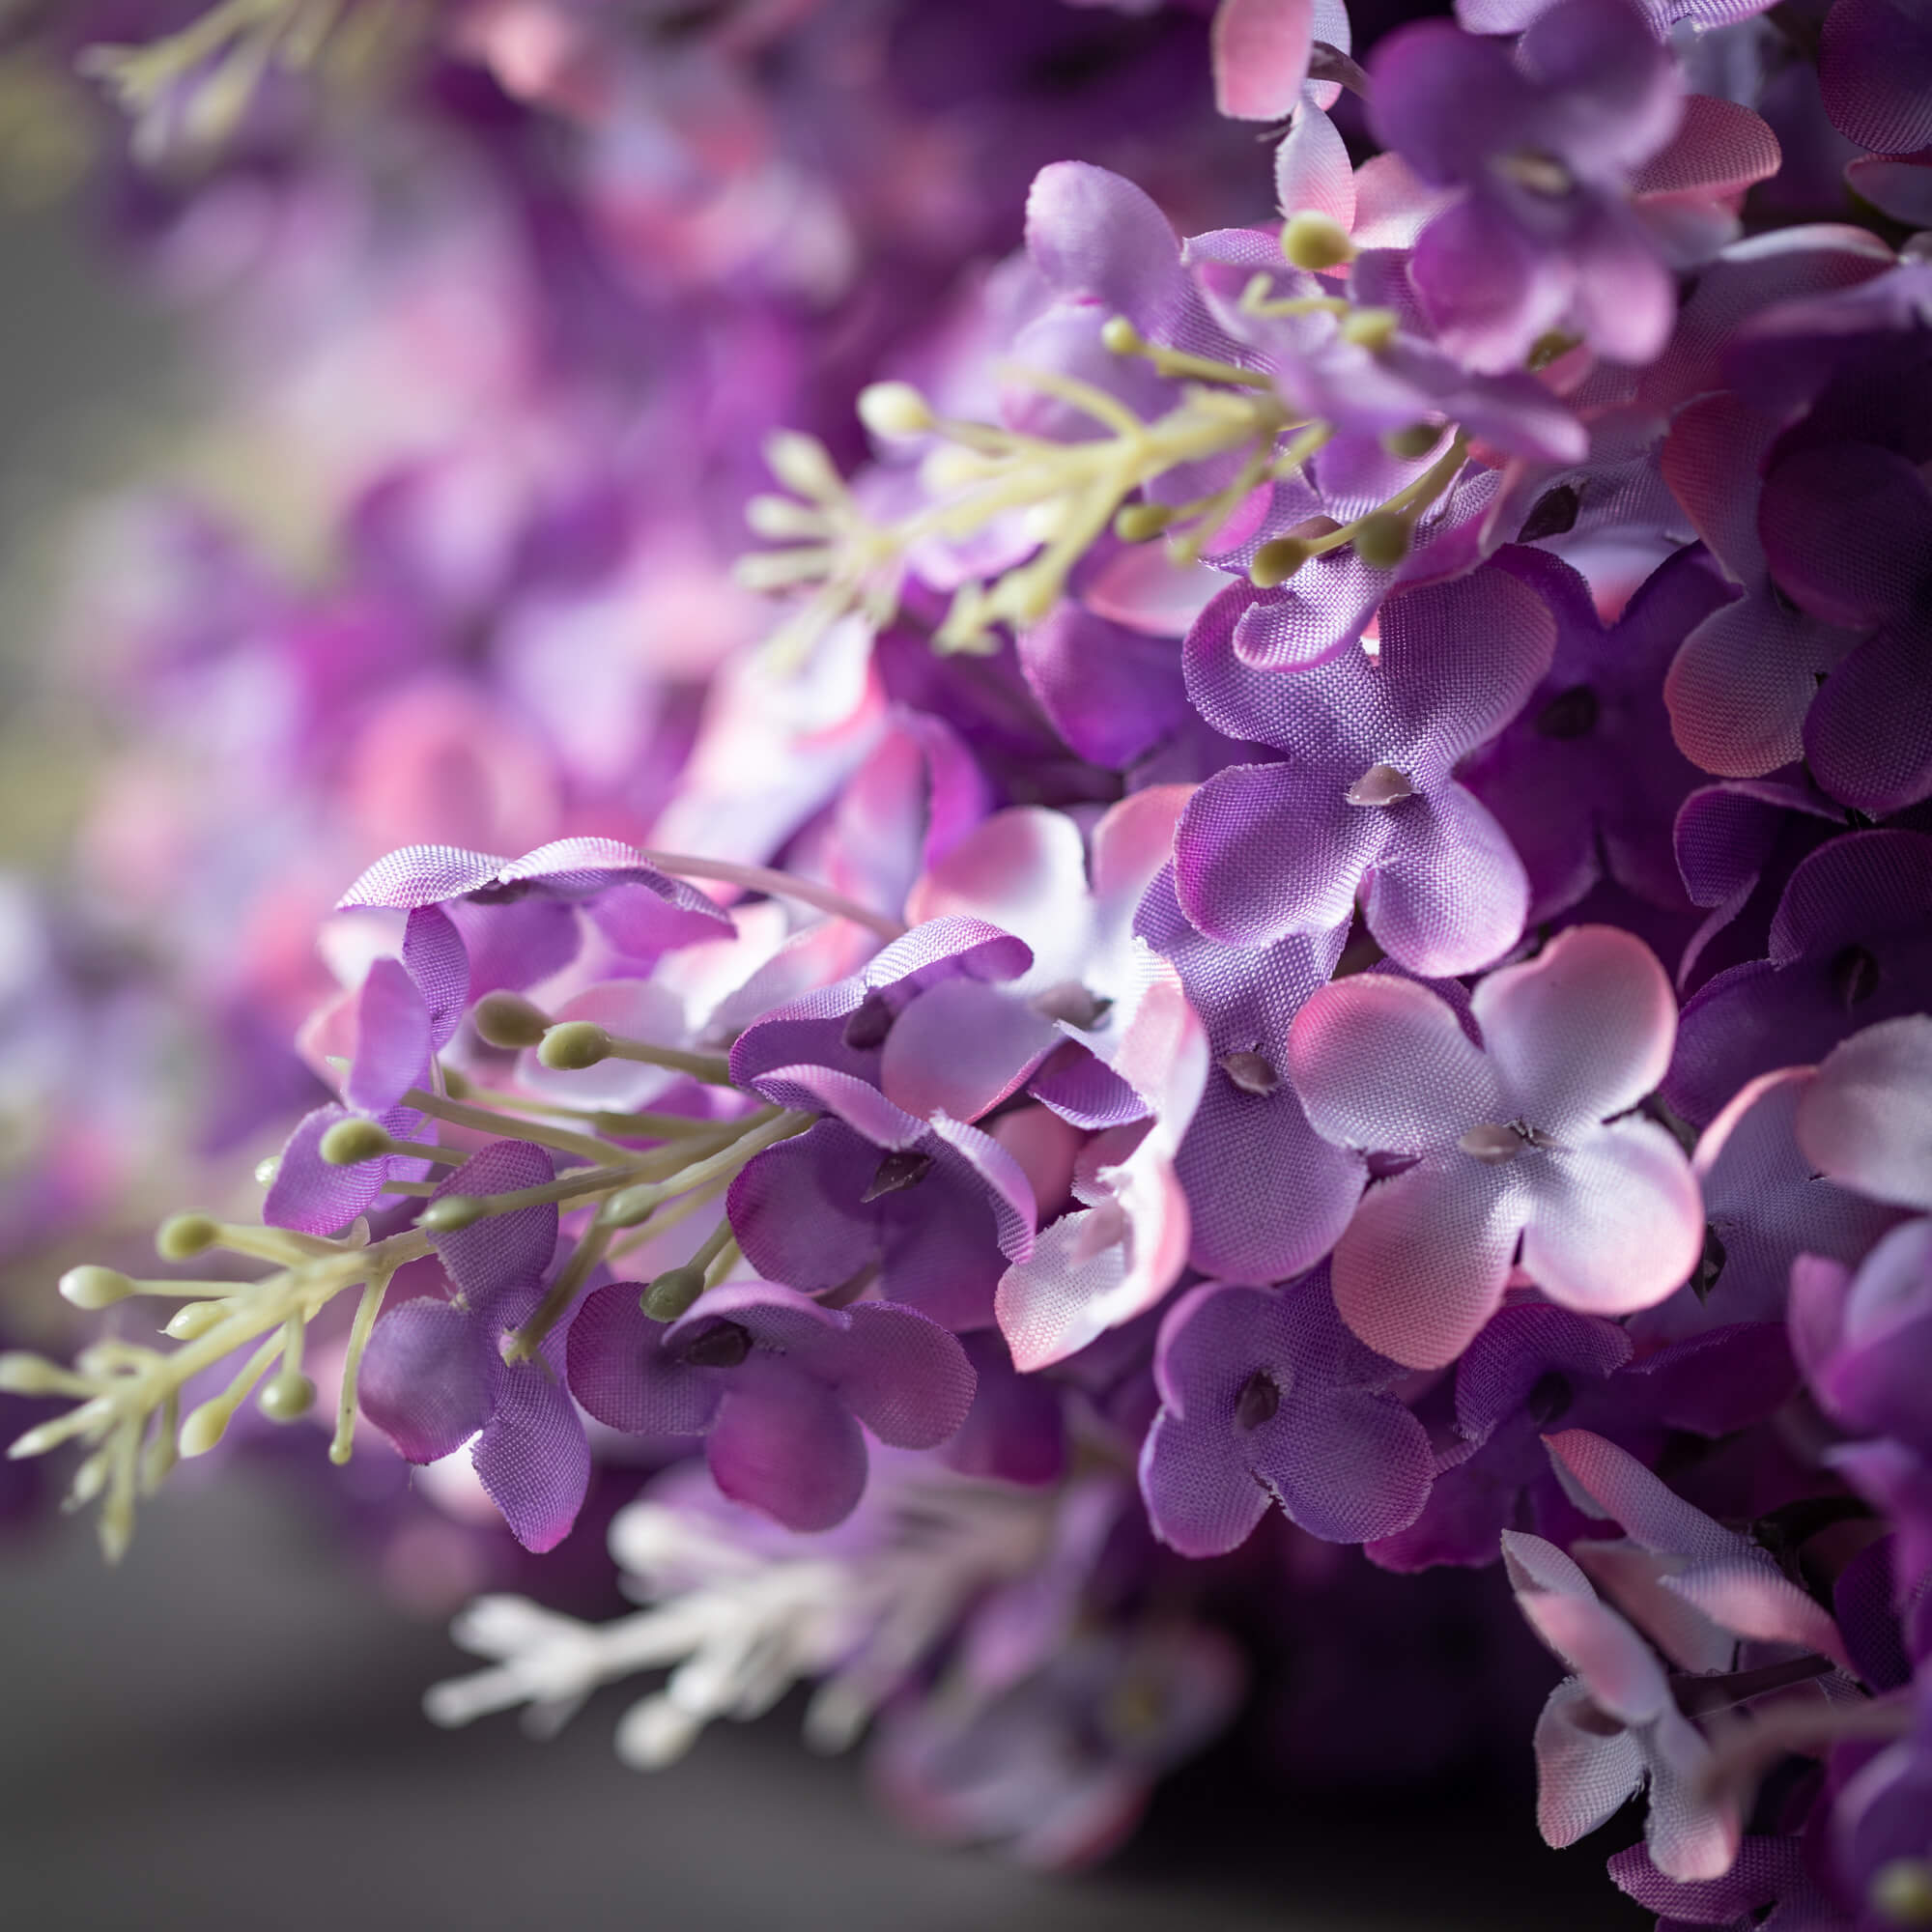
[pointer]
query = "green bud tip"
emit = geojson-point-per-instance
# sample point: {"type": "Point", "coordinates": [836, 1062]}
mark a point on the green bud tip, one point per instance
{"type": "Point", "coordinates": [574, 1045]}
{"type": "Point", "coordinates": [1417, 439]}
{"type": "Point", "coordinates": [29, 1374]}
{"type": "Point", "coordinates": [183, 1237]}
{"type": "Point", "coordinates": [1902, 1891]}
{"type": "Point", "coordinates": [191, 1324]}
{"type": "Point", "coordinates": [453, 1212]}
{"type": "Point", "coordinates": [893, 409]}
{"type": "Point", "coordinates": [1122, 337]}
{"type": "Point", "coordinates": [1136, 523]}
{"type": "Point", "coordinates": [1275, 562]}
{"type": "Point", "coordinates": [288, 1397]}
{"type": "Point", "coordinates": [1381, 539]}
{"type": "Point", "coordinates": [672, 1293]}
{"type": "Point", "coordinates": [1311, 239]}
{"type": "Point", "coordinates": [1370, 327]}
{"type": "Point", "coordinates": [204, 1427]}
{"type": "Point", "coordinates": [509, 1020]}
{"type": "Point", "coordinates": [350, 1143]}
{"type": "Point", "coordinates": [92, 1286]}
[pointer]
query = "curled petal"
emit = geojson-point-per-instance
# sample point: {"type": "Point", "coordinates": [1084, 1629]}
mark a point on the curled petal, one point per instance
{"type": "Point", "coordinates": [1587, 1770]}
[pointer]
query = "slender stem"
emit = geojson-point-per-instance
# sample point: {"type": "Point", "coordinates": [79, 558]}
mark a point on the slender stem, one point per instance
{"type": "Point", "coordinates": [779, 885]}
{"type": "Point", "coordinates": [585, 1147]}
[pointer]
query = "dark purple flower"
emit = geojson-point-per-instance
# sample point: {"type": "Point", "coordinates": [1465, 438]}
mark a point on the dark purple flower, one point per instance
{"type": "Point", "coordinates": [1875, 71]}
{"type": "Point", "coordinates": [1848, 532]}
{"type": "Point", "coordinates": [776, 1385]}
{"type": "Point", "coordinates": [1366, 798]}
{"type": "Point", "coordinates": [1267, 1397]}
{"type": "Point", "coordinates": [433, 1374]}
{"type": "Point", "coordinates": [1587, 782]}
{"type": "Point", "coordinates": [1770, 1883]}
{"type": "Point", "coordinates": [1545, 140]}
{"type": "Point", "coordinates": [1266, 1196]}
{"type": "Point", "coordinates": [1864, 1340]}
{"type": "Point", "coordinates": [405, 1012]}
{"type": "Point", "coordinates": [936, 1208]}
{"type": "Point", "coordinates": [1851, 944]}
{"type": "Point", "coordinates": [1524, 1142]}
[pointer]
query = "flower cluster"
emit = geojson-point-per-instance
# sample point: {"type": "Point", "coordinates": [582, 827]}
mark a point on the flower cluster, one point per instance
{"type": "Point", "coordinates": [1309, 927]}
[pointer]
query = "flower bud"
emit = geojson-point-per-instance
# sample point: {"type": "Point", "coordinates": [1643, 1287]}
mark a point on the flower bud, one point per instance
{"type": "Point", "coordinates": [204, 1427]}
{"type": "Point", "coordinates": [1312, 239]}
{"type": "Point", "coordinates": [1136, 523]}
{"type": "Point", "coordinates": [893, 409]}
{"type": "Point", "coordinates": [350, 1143]}
{"type": "Point", "coordinates": [32, 1375]}
{"type": "Point", "coordinates": [191, 1324]}
{"type": "Point", "coordinates": [1381, 539]}
{"type": "Point", "coordinates": [289, 1396]}
{"type": "Point", "coordinates": [1370, 327]}
{"type": "Point", "coordinates": [1277, 560]}
{"type": "Point", "coordinates": [573, 1046]}
{"type": "Point", "coordinates": [453, 1212]}
{"type": "Point", "coordinates": [1416, 441]}
{"type": "Point", "coordinates": [802, 465]}
{"type": "Point", "coordinates": [672, 1293]}
{"type": "Point", "coordinates": [91, 1286]}
{"type": "Point", "coordinates": [183, 1237]}
{"type": "Point", "coordinates": [1902, 1891]}
{"type": "Point", "coordinates": [508, 1020]}
{"type": "Point", "coordinates": [1122, 337]}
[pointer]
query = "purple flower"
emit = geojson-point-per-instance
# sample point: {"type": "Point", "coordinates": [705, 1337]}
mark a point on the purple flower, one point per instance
{"type": "Point", "coordinates": [1875, 71]}
{"type": "Point", "coordinates": [1266, 1196]}
{"type": "Point", "coordinates": [433, 1374]}
{"type": "Point", "coordinates": [1864, 1340]}
{"type": "Point", "coordinates": [935, 1208]}
{"type": "Point", "coordinates": [1587, 782]}
{"type": "Point", "coordinates": [1534, 1365]}
{"type": "Point", "coordinates": [1770, 1884]}
{"type": "Point", "coordinates": [1865, 1116]}
{"type": "Point", "coordinates": [517, 913]}
{"type": "Point", "coordinates": [777, 1385]}
{"type": "Point", "coordinates": [1267, 1397]}
{"type": "Point", "coordinates": [1545, 141]}
{"type": "Point", "coordinates": [1848, 532]}
{"type": "Point", "coordinates": [1517, 1142]}
{"type": "Point", "coordinates": [392, 1030]}
{"type": "Point", "coordinates": [1851, 944]}
{"type": "Point", "coordinates": [1366, 797]}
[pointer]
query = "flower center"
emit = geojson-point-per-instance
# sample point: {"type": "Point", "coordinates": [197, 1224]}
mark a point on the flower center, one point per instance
{"type": "Point", "coordinates": [867, 1024]}
{"type": "Point", "coordinates": [903, 1167]}
{"type": "Point", "coordinates": [1074, 1003]}
{"type": "Point", "coordinates": [718, 1345]}
{"type": "Point", "coordinates": [1539, 174]}
{"type": "Point", "coordinates": [1380, 785]}
{"type": "Point", "coordinates": [1493, 1142]}
{"type": "Point", "coordinates": [1258, 1399]}
{"type": "Point", "coordinates": [1250, 1072]}
{"type": "Point", "coordinates": [1854, 976]}
{"type": "Point", "coordinates": [1570, 713]}
{"type": "Point", "coordinates": [1548, 1398]}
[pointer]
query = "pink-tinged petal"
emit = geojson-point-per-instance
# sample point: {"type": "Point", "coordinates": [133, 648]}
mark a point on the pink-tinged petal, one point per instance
{"type": "Point", "coordinates": [1536, 1565]}
{"type": "Point", "coordinates": [1393, 203]}
{"type": "Point", "coordinates": [1719, 150]}
{"type": "Point", "coordinates": [1312, 170]}
{"type": "Point", "coordinates": [533, 1459]}
{"type": "Point", "coordinates": [1582, 1031]}
{"type": "Point", "coordinates": [1742, 682]}
{"type": "Point", "coordinates": [1866, 1118]}
{"type": "Point", "coordinates": [1259, 51]}
{"type": "Point", "coordinates": [1262, 852]}
{"type": "Point", "coordinates": [906, 1378]}
{"type": "Point", "coordinates": [962, 1048]}
{"type": "Point", "coordinates": [1132, 842]}
{"type": "Point", "coordinates": [1161, 1051]}
{"type": "Point", "coordinates": [1845, 529]}
{"type": "Point", "coordinates": [788, 1446]}
{"type": "Point", "coordinates": [1587, 1768]}
{"type": "Point", "coordinates": [1754, 1600]}
{"type": "Point", "coordinates": [425, 1379]}
{"type": "Point", "coordinates": [1023, 870]}
{"type": "Point", "coordinates": [1710, 460]}
{"type": "Point", "coordinates": [1009, 1195]}
{"type": "Point", "coordinates": [1642, 1503]}
{"type": "Point", "coordinates": [1616, 1666]}
{"type": "Point", "coordinates": [857, 1102]}
{"type": "Point", "coordinates": [392, 1039]}
{"type": "Point", "coordinates": [1875, 69]}
{"type": "Point", "coordinates": [1142, 589]}
{"type": "Point", "coordinates": [1381, 1064]}
{"type": "Point", "coordinates": [1449, 895]}
{"type": "Point", "coordinates": [1634, 1579]}
{"type": "Point", "coordinates": [1819, 1292]}
{"type": "Point", "coordinates": [1098, 238]}
{"type": "Point", "coordinates": [1693, 1836]}
{"type": "Point", "coordinates": [1423, 1264]}
{"type": "Point", "coordinates": [1900, 186]}
{"type": "Point", "coordinates": [1624, 299]}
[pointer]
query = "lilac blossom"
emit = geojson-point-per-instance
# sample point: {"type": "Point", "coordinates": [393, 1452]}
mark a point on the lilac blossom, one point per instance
{"type": "Point", "coordinates": [1519, 1141]}
{"type": "Point", "coordinates": [1267, 1397]}
{"type": "Point", "coordinates": [776, 1385]}
{"type": "Point", "coordinates": [1866, 1118]}
{"type": "Point", "coordinates": [1849, 946]}
{"type": "Point", "coordinates": [1367, 799]}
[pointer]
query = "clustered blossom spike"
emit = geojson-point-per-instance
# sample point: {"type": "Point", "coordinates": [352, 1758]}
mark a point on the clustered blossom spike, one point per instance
{"type": "Point", "coordinates": [1288, 911]}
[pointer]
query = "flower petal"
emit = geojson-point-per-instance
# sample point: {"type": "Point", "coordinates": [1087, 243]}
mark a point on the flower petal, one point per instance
{"type": "Point", "coordinates": [788, 1446]}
